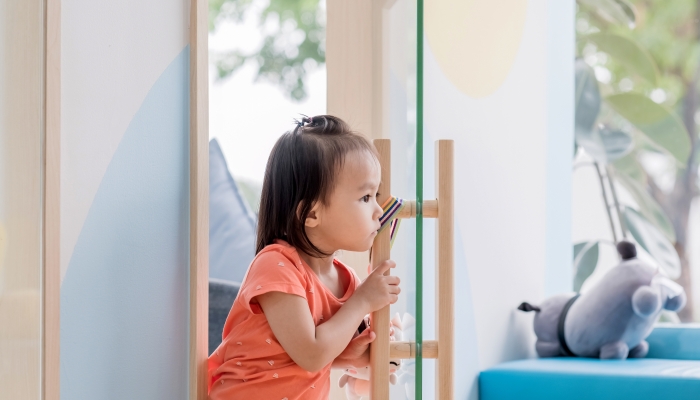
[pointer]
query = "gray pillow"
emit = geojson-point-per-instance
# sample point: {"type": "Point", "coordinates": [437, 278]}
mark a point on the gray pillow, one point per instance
{"type": "Point", "coordinates": [232, 224]}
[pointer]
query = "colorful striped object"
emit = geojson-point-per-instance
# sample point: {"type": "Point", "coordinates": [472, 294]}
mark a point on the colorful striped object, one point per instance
{"type": "Point", "coordinates": [391, 208]}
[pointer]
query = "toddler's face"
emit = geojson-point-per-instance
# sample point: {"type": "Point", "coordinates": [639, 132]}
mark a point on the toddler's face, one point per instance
{"type": "Point", "coordinates": [351, 219]}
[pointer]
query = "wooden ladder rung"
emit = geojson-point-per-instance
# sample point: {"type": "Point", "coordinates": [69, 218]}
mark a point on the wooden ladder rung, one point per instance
{"type": "Point", "coordinates": [409, 210]}
{"type": "Point", "coordinates": [406, 350]}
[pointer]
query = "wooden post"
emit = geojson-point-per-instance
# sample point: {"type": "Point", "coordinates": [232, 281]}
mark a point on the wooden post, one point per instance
{"type": "Point", "coordinates": [381, 249]}
{"type": "Point", "coordinates": [52, 203]}
{"type": "Point", "coordinates": [357, 83]}
{"type": "Point", "coordinates": [407, 350]}
{"type": "Point", "coordinates": [199, 199]}
{"type": "Point", "coordinates": [444, 261]}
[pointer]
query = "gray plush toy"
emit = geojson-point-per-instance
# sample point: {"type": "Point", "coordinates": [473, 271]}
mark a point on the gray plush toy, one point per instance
{"type": "Point", "coordinates": [612, 319]}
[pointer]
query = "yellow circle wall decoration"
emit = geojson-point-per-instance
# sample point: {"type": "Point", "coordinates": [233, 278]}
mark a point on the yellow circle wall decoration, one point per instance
{"type": "Point", "coordinates": [475, 41]}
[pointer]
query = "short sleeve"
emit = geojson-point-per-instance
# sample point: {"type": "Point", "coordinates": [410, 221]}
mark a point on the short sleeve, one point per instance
{"type": "Point", "coordinates": [271, 271]}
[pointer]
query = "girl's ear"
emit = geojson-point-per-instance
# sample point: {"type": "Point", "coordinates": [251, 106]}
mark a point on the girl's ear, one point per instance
{"type": "Point", "coordinates": [313, 218]}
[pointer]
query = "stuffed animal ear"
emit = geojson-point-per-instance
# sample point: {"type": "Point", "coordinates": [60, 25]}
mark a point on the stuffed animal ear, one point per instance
{"type": "Point", "coordinates": [392, 379]}
{"type": "Point", "coordinates": [672, 294]}
{"type": "Point", "coordinates": [343, 380]}
{"type": "Point", "coordinates": [627, 250]}
{"type": "Point", "coordinates": [527, 307]}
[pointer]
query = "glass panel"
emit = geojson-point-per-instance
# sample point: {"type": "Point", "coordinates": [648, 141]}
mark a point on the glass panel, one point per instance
{"type": "Point", "coordinates": [21, 127]}
{"type": "Point", "coordinates": [401, 116]}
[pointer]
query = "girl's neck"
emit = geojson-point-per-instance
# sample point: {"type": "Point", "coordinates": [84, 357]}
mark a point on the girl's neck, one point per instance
{"type": "Point", "coordinates": [320, 265]}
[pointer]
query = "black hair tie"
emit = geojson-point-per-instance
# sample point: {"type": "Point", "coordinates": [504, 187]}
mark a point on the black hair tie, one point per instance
{"type": "Point", "coordinates": [304, 120]}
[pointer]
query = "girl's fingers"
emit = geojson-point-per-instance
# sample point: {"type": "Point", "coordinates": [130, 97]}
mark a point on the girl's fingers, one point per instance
{"type": "Point", "coordinates": [365, 338]}
{"type": "Point", "coordinates": [392, 280]}
{"type": "Point", "coordinates": [372, 336]}
{"type": "Point", "coordinates": [394, 289]}
{"type": "Point", "coordinates": [383, 267]}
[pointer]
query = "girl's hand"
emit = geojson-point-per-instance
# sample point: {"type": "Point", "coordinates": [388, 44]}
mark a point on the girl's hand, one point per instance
{"type": "Point", "coordinates": [378, 290]}
{"type": "Point", "coordinates": [357, 352]}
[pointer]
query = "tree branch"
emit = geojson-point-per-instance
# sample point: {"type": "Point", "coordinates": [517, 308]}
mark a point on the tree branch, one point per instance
{"type": "Point", "coordinates": [605, 200]}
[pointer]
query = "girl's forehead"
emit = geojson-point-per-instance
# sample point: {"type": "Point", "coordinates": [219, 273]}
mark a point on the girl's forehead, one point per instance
{"type": "Point", "coordinates": [361, 161]}
{"type": "Point", "coordinates": [362, 167]}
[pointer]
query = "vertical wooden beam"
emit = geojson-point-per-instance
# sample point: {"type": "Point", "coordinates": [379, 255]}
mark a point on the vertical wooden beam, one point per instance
{"type": "Point", "coordinates": [52, 211]}
{"type": "Point", "coordinates": [444, 260]}
{"type": "Point", "coordinates": [357, 70]}
{"type": "Point", "coordinates": [381, 251]}
{"type": "Point", "coordinates": [357, 74]}
{"type": "Point", "coordinates": [199, 199]}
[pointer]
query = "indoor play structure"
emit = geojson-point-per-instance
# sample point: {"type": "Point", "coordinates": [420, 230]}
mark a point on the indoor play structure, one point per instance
{"type": "Point", "coordinates": [442, 209]}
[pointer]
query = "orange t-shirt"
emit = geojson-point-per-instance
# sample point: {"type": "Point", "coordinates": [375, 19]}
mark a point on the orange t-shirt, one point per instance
{"type": "Point", "coordinates": [250, 363]}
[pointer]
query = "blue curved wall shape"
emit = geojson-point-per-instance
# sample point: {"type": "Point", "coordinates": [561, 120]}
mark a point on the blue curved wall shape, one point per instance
{"type": "Point", "coordinates": [125, 296]}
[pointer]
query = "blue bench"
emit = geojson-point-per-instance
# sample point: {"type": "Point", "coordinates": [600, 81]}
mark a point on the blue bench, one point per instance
{"type": "Point", "coordinates": [674, 376]}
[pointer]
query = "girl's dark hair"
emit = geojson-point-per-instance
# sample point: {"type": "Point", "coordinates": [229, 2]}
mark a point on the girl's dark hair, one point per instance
{"type": "Point", "coordinates": [301, 170]}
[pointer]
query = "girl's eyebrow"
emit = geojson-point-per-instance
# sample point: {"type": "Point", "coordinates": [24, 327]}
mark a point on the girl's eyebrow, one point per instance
{"type": "Point", "coordinates": [367, 186]}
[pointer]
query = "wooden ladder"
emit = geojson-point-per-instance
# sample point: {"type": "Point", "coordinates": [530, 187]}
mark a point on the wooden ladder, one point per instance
{"type": "Point", "coordinates": [442, 209]}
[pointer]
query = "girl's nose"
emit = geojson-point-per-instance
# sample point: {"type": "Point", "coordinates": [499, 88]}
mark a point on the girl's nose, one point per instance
{"type": "Point", "coordinates": [377, 210]}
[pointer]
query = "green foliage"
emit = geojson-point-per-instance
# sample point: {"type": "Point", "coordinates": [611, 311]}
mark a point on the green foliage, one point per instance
{"type": "Point", "coordinates": [664, 29]}
{"type": "Point", "coordinates": [653, 241]}
{"type": "Point", "coordinates": [585, 262]}
{"type": "Point", "coordinates": [648, 207]}
{"type": "Point", "coordinates": [615, 11]}
{"type": "Point", "coordinates": [660, 124]}
{"type": "Point", "coordinates": [641, 58]}
{"type": "Point", "coordinates": [293, 42]}
{"type": "Point", "coordinates": [587, 100]}
{"type": "Point", "coordinates": [628, 53]}
{"type": "Point", "coordinates": [603, 143]}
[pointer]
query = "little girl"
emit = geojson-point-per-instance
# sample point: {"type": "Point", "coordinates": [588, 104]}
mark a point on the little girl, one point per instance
{"type": "Point", "coordinates": [299, 308]}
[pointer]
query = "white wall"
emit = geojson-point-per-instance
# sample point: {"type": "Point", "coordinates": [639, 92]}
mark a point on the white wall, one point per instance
{"type": "Point", "coordinates": [499, 81]}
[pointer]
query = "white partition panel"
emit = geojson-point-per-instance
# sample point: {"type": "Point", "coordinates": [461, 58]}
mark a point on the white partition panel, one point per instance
{"type": "Point", "coordinates": [125, 200]}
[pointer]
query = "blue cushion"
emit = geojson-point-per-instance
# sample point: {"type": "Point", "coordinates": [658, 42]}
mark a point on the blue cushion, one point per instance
{"type": "Point", "coordinates": [675, 341]}
{"type": "Point", "coordinates": [582, 378]}
{"type": "Point", "coordinates": [231, 222]}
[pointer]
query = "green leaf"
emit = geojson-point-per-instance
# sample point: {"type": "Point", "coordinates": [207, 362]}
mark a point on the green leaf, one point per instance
{"type": "Point", "coordinates": [658, 123]}
{"type": "Point", "coordinates": [585, 262]}
{"type": "Point", "coordinates": [628, 53]}
{"type": "Point", "coordinates": [629, 166]}
{"type": "Point", "coordinates": [616, 11]}
{"type": "Point", "coordinates": [617, 143]}
{"type": "Point", "coordinates": [605, 144]}
{"type": "Point", "coordinates": [653, 241]}
{"type": "Point", "coordinates": [587, 101]}
{"type": "Point", "coordinates": [648, 206]}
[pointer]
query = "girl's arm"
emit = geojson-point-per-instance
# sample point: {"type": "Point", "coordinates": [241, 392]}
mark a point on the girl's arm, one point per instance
{"type": "Point", "coordinates": [314, 347]}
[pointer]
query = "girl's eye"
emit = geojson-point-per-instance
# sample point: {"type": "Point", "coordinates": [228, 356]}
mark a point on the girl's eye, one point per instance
{"type": "Point", "coordinates": [365, 198]}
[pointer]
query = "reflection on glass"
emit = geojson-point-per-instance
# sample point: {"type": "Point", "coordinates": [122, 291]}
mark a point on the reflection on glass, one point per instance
{"type": "Point", "coordinates": [21, 126]}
